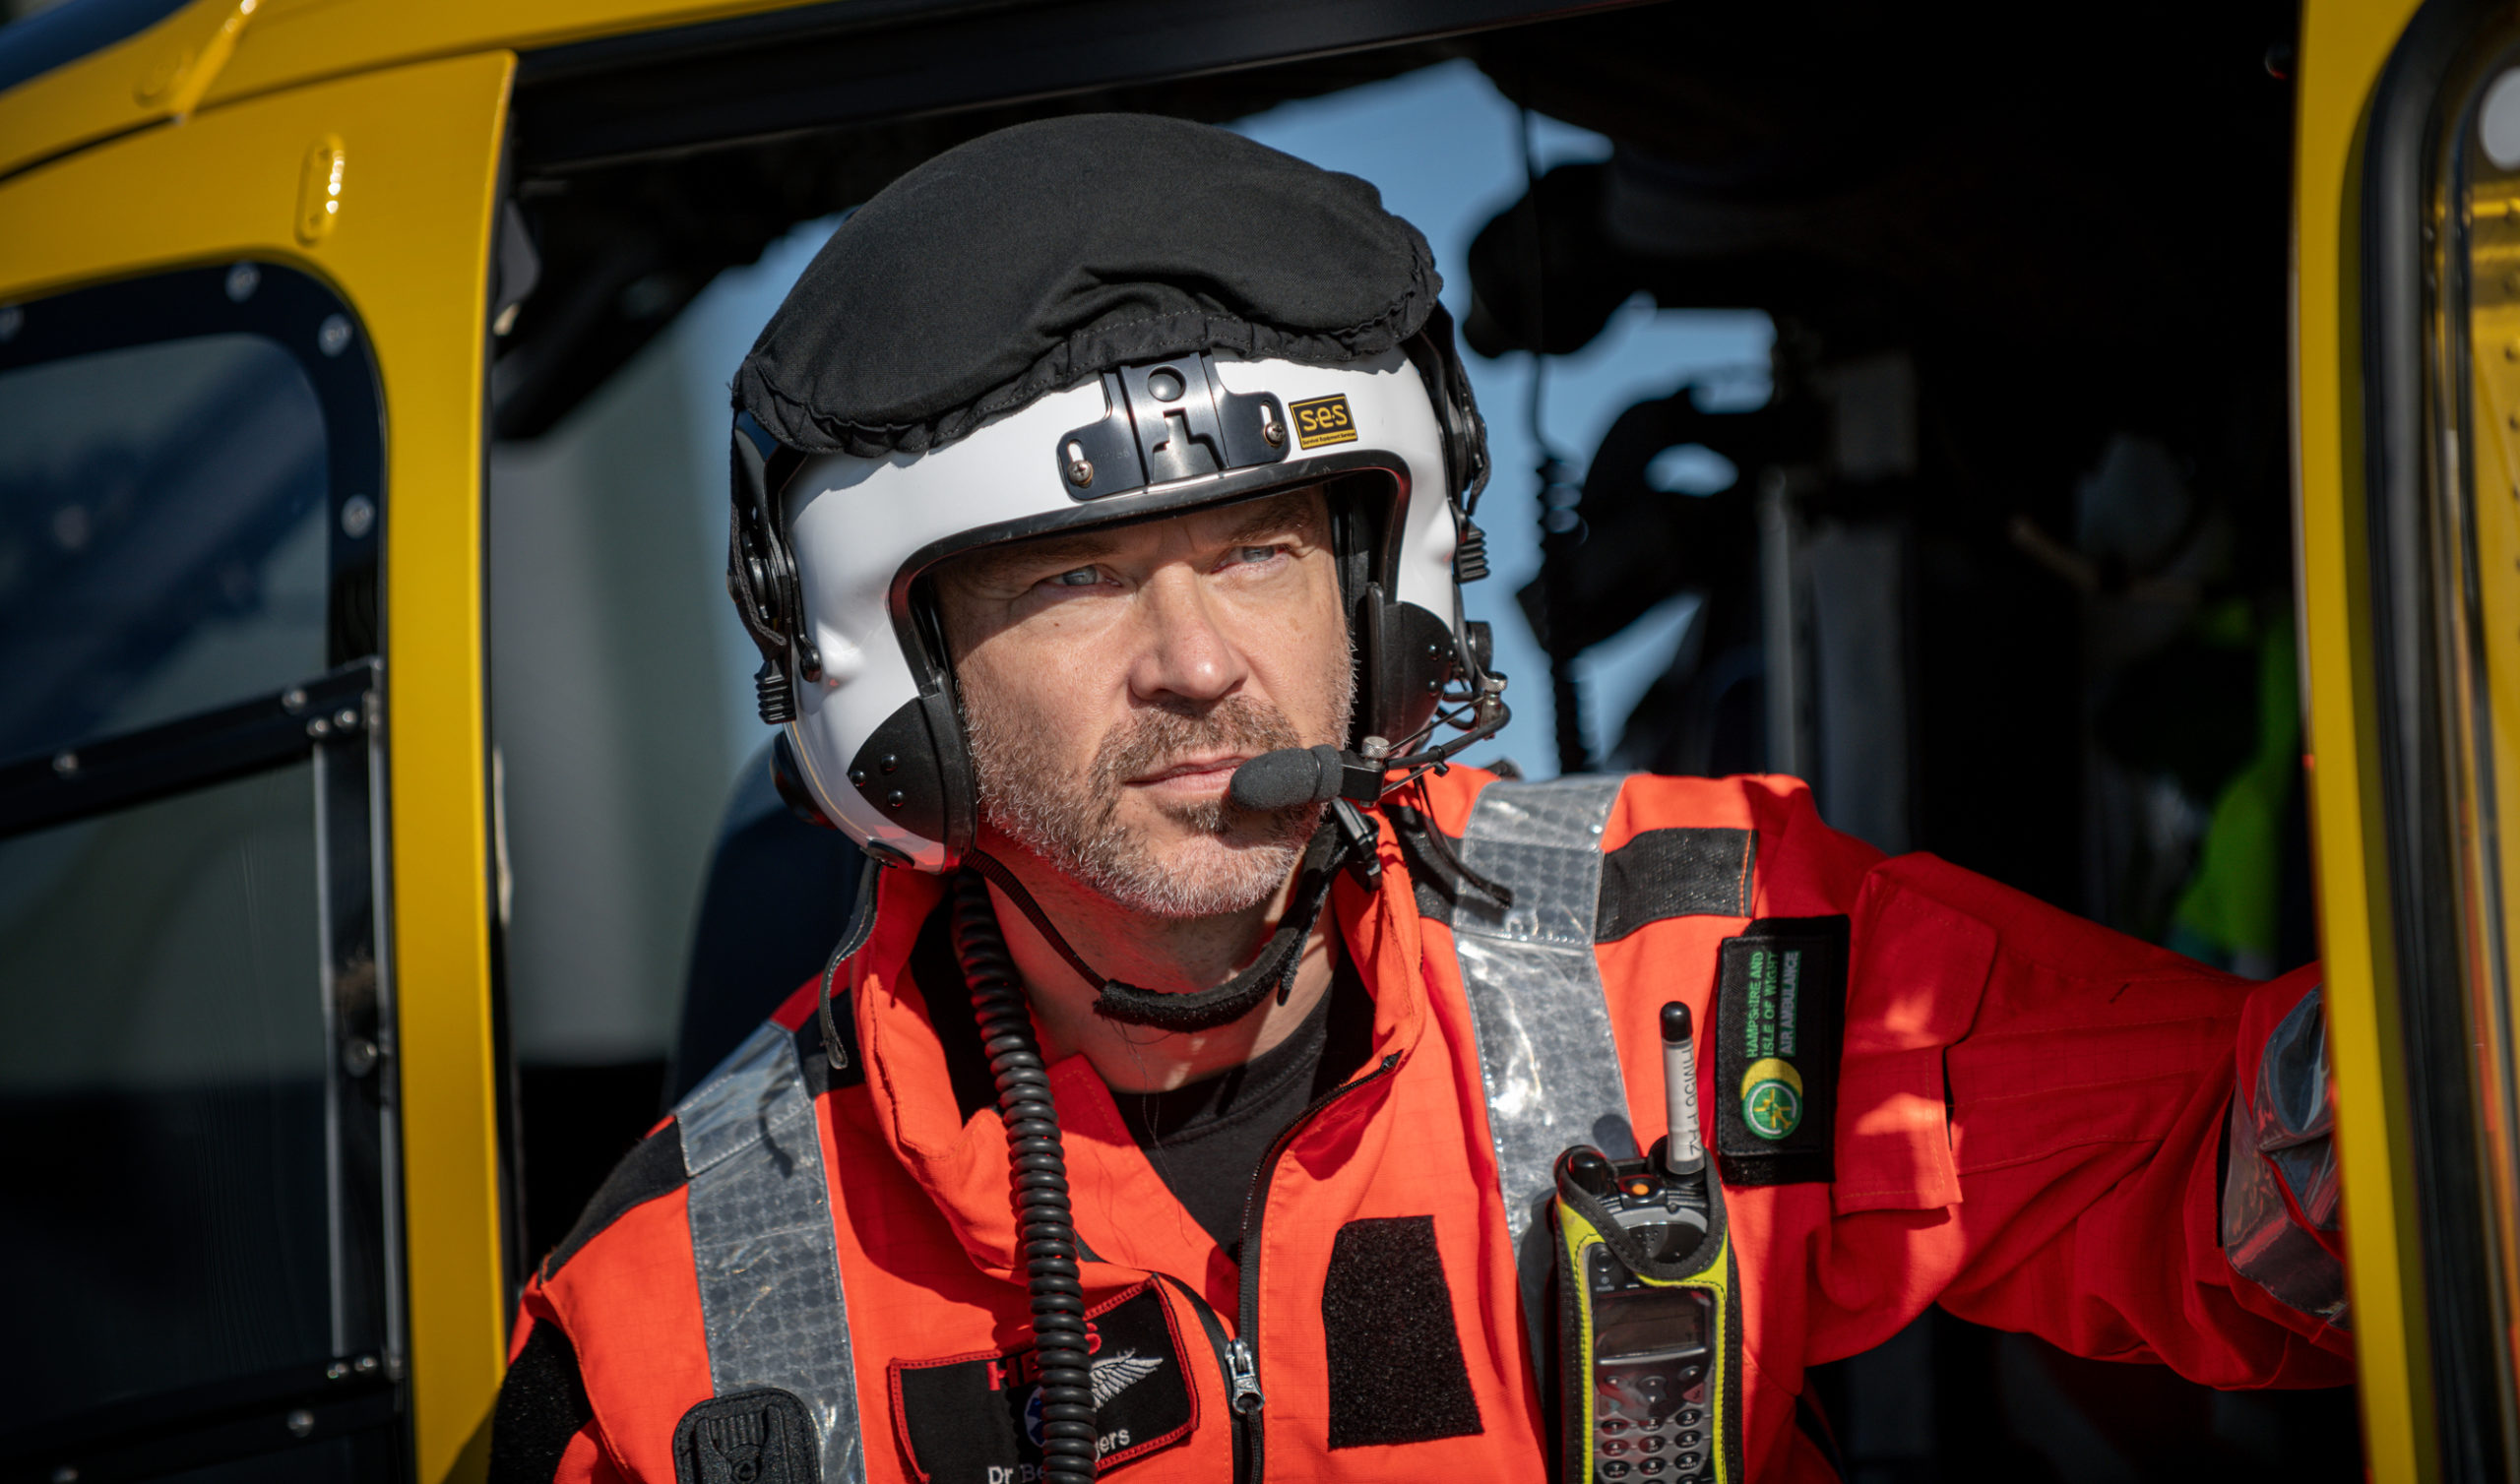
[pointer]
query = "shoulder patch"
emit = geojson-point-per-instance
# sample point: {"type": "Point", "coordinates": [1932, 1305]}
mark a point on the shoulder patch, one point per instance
{"type": "Point", "coordinates": [1676, 873]}
{"type": "Point", "coordinates": [976, 1418]}
{"type": "Point", "coordinates": [1780, 1020]}
{"type": "Point", "coordinates": [756, 1436]}
{"type": "Point", "coordinates": [654, 1167]}
{"type": "Point", "coordinates": [1661, 873]}
{"type": "Point", "coordinates": [542, 1404]}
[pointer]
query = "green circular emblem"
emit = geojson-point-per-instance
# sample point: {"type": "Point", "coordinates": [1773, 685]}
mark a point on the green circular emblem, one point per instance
{"type": "Point", "coordinates": [1772, 1108]}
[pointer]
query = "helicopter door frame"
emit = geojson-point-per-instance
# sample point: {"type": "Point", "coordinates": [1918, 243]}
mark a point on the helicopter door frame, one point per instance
{"type": "Point", "coordinates": [381, 186]}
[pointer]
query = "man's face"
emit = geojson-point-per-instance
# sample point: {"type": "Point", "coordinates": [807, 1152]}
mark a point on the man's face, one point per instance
{"type": "Point", "coordinates": [1112, 681]}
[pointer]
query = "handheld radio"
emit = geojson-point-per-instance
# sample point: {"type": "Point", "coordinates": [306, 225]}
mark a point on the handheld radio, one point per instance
{"type": "Point", "coordinates": [1647, 1317]}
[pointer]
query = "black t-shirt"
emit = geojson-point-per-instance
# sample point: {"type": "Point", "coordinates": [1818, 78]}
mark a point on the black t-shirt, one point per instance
{"type": "Point", "coordinates": [1207, 1137]}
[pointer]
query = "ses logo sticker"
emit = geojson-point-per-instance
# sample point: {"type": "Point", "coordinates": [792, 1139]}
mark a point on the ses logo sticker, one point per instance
{"type": "Point", "coordinates": [1322, 421]}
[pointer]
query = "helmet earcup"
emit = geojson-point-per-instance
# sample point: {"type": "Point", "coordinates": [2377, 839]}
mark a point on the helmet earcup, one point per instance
{"type": "Point", "coordinates": [1410, 655]}
{"type": "Point", "coordinates": [915, 771]}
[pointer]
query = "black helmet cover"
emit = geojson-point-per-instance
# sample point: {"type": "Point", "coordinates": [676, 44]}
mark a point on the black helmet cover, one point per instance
{"type": "Point", "coordinates": [1039, 256]}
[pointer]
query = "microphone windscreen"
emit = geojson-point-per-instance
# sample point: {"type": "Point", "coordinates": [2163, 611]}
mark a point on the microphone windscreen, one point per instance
{"type": "Point", "coordinates": [1287, 779]}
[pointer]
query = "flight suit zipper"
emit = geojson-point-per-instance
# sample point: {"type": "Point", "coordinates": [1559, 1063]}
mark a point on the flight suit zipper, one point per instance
{"type": "Point", "coordinates": [1242, 1354]}
{"type": "Point", "coordinates": [1223, 1347]}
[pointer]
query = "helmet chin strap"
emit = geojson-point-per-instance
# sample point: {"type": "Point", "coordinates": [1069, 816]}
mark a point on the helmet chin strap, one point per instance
{"type": "Point", "coordinates": [1207, 1009]}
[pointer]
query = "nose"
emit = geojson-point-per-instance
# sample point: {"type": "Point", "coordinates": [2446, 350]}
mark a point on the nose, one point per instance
{"type": "Point", "coordinates": [1185, 652]}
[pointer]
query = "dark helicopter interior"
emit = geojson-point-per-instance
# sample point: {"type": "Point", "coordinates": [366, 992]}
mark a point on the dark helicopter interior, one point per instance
{"type": "Point", "coordinates": [2005, 566]}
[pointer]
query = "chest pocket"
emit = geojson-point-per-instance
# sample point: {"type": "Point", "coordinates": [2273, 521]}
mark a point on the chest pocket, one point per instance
{"type": "Point", "coordinates": [1921, 966]}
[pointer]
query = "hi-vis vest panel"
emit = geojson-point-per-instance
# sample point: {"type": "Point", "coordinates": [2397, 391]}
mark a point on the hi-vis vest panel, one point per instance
{"type": "Point", "coordinates": [770, 1295]}
{"type": "Point", "coordinates": [761, 1238]}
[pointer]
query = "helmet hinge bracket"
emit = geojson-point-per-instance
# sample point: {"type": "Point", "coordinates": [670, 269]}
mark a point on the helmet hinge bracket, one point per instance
{"type": "Point", "coordinates": [1169, 420]}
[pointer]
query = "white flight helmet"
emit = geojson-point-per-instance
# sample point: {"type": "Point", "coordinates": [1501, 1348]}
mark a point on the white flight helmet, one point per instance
{"type": "Point", "coordinates": [859, 673]}
{"type": "Point", "coordinates": [831, 548]}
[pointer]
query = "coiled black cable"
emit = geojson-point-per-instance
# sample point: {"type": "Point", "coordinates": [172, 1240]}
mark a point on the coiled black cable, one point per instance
{"type": "Point", "coordinates": [1044, 1228]}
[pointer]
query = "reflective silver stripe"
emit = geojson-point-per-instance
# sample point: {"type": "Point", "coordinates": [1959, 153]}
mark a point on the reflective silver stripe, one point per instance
{"type": "Point", "coordinates": [1546, 1051]}
{"type": "Point", "coordinates": [761, 1236]}
{"type": "Point", "coordinates": [2283, 1139]}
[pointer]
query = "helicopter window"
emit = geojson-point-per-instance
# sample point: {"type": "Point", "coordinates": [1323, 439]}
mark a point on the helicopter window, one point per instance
{"type": "Point", "coordinates": [200, 1093]}
{"type": "Point", "coordinates": [2479, 539]}
{"type": "Point", "coordinates": [2445, 405]}
{"type": "Point", "coordinates": [159, 554]}
{"type": "Point", "coordinates": [194, 1023]}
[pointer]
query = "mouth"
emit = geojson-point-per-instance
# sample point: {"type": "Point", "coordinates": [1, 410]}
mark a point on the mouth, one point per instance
{"type": "Point", "coordinates": [1212, 770]}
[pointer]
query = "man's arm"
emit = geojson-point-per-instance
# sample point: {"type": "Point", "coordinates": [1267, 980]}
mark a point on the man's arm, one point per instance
{"type": "Point", "coordinates": [2087, 1082]}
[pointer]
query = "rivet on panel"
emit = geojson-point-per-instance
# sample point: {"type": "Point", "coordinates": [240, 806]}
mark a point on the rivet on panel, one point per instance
{"type": "Point", "coordinates": [164, 71]}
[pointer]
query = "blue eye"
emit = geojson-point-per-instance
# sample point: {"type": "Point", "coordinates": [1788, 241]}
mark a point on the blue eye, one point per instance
{"type": "Point", "coordinates": [1255, 553]}
{"type": "Point", "coordinates": [1081, 576]}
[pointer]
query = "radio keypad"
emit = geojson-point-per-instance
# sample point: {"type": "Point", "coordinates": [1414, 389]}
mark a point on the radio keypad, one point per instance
{"type": "Point", "coordinates": [1649, 1412]}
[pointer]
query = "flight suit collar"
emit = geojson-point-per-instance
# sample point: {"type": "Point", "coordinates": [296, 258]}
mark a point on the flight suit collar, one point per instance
{"type": "Point", "coordinates": [1123, 1211]}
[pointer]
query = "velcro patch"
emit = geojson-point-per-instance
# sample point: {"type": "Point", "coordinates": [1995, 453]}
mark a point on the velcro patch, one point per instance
{"type": "Point", "coordinates": [758, 1437]}
{"type": "Point", "coordinates": [1779, 1017]}
{"type": "Point", "coordinates": [1396, 1372]}
{"type": "Point", "coordinates": [976, 1418]}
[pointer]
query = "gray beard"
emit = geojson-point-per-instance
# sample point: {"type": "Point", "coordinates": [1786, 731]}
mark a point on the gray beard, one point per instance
{"type": "Point", "coordinates": [1072, 822]}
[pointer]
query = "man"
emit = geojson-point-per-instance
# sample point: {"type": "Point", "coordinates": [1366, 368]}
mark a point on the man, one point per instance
{"type": "Point", "coordinates": [1186, 1095]}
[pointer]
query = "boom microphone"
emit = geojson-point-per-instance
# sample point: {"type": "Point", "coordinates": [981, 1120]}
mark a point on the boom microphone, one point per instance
{"type": "Point", "coordinates": [1287, 778]}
